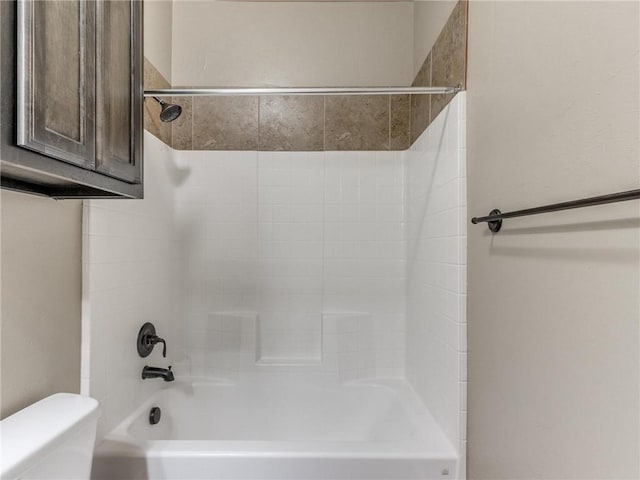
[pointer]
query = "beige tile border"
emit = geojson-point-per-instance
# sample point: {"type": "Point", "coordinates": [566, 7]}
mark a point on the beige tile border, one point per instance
{"type": "Point", "coordinates": [289, 123]}
{"type": "Point", "coordinates": [446, 64]}
{"type": "Point", "coordinates": [154, 79]}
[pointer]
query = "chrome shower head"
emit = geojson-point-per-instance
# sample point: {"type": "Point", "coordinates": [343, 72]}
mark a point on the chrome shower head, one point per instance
{"type": "Point", "coordinates": [169, 111]}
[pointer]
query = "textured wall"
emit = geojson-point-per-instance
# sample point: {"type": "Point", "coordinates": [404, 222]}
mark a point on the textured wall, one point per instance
{"type": "Point", "coordinates": [292, 43]}
{"type": "Point", "coordinates": [41, 292]}
{"type": "Point", "coordinates": [158, 34]}
{"type": "Point", "coordinates": [553, 300]}
{"type": "Point", "coordinates": [429, 17]}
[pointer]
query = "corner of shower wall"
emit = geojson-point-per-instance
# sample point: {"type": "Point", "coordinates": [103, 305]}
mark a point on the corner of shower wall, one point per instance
{"type": "Point", "coordinates": [129, 263]}
{"type": "Point", "coordinates": [435, 203]}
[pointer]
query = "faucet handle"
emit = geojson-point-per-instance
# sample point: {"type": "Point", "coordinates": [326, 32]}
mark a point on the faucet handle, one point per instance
{"type": "Point", "coordinates": [147, 339]}
{"type": "Point", "coordinates": [153, 339]}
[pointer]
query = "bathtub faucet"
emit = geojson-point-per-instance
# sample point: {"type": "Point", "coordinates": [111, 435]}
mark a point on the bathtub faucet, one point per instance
{"type": "Point", "coordinates": [154, 372]}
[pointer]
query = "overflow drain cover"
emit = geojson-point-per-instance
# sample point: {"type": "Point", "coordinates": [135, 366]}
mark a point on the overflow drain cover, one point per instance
{"type": "Point", "coordinates": [154, 415]}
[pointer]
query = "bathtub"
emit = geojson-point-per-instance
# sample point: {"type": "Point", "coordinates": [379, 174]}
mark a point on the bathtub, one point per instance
{"type": "Point", "coordinates": [278, 430]}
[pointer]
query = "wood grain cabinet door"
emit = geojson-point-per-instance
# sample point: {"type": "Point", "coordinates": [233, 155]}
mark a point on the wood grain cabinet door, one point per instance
{"type": "Point", "coordinates": [56, 79]}
{"type": "Point", "coordinates": [119, 89]}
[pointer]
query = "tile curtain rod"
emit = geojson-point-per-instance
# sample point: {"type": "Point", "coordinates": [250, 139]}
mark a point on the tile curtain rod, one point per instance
{"type": "Point", "coordinates": [194, 92]}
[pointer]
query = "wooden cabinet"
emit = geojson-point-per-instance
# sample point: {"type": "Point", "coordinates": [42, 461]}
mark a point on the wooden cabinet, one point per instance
{"type": "Point", "coordinates": [74, 71]}
{"type": "Point", "coordinates": [119, 113]}
{"type": "Point", "coordinates": [56, 80]}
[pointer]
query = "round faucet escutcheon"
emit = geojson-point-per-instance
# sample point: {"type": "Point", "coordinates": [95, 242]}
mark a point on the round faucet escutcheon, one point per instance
{"type": "Point", "coordinates": [147, 339]}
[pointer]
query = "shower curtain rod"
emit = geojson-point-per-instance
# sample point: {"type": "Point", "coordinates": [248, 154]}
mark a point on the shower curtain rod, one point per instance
{"type": "Point", "coordinates": [193, 92]}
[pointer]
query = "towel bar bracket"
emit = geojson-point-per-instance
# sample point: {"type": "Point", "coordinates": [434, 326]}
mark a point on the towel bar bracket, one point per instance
{"type": "Point", "coordinates": [495, 225]}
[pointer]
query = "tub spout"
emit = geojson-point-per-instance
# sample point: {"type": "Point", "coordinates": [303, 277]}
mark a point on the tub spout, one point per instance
{"type": "Point", "coordinates": [154, 372]}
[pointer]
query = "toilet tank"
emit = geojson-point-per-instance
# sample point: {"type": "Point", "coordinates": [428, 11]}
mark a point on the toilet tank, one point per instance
{"type": "Point", "coordinates": [51, 439]}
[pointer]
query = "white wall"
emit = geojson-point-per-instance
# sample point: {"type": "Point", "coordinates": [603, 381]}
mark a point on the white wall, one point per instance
{"type": "Point", "coordinates": [158, 34]}
{"type": "Point", "coordinates": [553, 105]}
{"type": "Point", "coordinates": [429, 16]}
{"type": "Point", "coordinates": [217, 43]}
{"type": "Point", "coordinates": [436, 269]}
{"type": "Point", "coordinates": [291, 240]}
{"type": "Point", "coordinates": [129, 279]}
{"type": "Point", "coordinates": [292, 44]}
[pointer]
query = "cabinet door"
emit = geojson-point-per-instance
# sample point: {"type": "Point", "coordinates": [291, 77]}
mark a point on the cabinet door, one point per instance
{"type": "Point", "coordinates": [119, 89]}
{"type": "Point", "coordinates": [56, 79]}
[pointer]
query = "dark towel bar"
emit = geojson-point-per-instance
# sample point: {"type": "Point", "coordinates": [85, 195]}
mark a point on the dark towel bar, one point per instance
{"type": "Point", "coordinates": [495, 217]}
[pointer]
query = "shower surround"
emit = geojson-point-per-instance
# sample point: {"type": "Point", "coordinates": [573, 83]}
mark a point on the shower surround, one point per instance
{"type": "Point", "coordinates": [293, 271]}
{"type": "Point", "coordinates": [305, 259]}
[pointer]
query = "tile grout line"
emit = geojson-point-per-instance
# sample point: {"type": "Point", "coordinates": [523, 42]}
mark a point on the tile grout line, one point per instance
{"type": "Point", "coordinates": [193, 121]}
{"type": "Point", "coordinates": [259, 125]}
{"type": "Point", "coordinates": [389, 124]}
{"type": "Point", "coordinates": [322, 281]}
{"type": "Point", "coordinates": [324, 123]}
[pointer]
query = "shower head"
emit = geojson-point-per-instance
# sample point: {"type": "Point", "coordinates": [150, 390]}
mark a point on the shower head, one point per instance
{"type": "Point", "coordinates": [169, 111]}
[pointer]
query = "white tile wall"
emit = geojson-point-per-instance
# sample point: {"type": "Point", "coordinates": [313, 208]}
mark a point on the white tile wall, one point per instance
{"type": "Point", "coordinates": [226, 345]}
{"type": "Point", "coordinates": [229, 347]}
{"type": "Point", "coordinates": [348, 345]}
{"type": "Point", "coordinates": [364, 266]}
{"type": "Point", "coordinates": [128, 279]}
{"type": "Point", "coordinates": [216, 223]}
{"type": "Point", "coordinates": [436, 269]}
{"type": "Point", "coordinates": [292, 236]}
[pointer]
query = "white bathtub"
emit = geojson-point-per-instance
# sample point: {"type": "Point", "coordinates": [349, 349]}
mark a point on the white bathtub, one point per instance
{"type": "Point", "coordinates": [279, 430]}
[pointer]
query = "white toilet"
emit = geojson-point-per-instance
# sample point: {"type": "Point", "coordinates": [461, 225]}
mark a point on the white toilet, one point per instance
{"type": "Point", "coordinates": [51, 439]}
